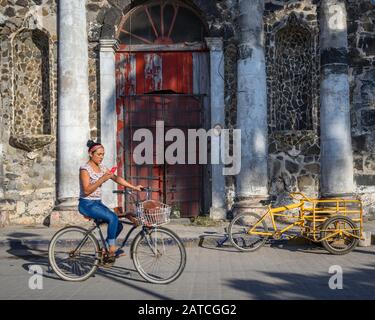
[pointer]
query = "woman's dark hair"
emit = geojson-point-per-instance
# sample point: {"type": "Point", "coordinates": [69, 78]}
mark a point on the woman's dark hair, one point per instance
{"type": "Point", "coordinates": [91, 144]}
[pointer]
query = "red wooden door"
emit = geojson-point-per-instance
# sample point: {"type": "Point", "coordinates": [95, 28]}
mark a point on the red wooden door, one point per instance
{"type": "Point", "coordinates": [151, 87]}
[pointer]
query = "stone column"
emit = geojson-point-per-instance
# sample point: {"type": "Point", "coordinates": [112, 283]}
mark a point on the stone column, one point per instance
{"type": "Point", "coordinates": [217, 210]}
{"type": "Point", "coordinates": [251, 106]}
{"type": "Point", "coordinates": [73, 101]}
{"type": "Point", "coordinates": [336, 149]}
{"type": "Point", "coordinates": [108, 119]}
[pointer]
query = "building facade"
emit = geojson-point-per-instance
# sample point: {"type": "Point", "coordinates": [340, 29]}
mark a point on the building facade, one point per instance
{"type": "Point", "coordinates": [296, 77]}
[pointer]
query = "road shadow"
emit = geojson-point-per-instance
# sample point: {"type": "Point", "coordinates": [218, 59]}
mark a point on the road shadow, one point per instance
{"type": "Point", "coordinates": [216, 241]}
{"type": "Point", "coordinates": [39, 257]}
{"type": "Point", "coordinates": [357, 284]}
{"type": "Point", "coordinates": [130, 277]}
{"type": "Point", "coordinates": [309, 248]}
{"type": "Point", "coordinates": [220, 242]}
{"type": "Point", "coordinates": [31, 256]}
{"type": "Point", "coordinates": [121, 272]}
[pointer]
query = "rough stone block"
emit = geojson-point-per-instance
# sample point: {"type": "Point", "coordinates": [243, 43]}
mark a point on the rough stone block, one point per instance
{"type": "Point", "coordinates": [367, 239]}
{"type": "Point", "coordinates": [21, 208]}
{"type": "Point", "coordinates": [40, 207]}
{"type": "Point", "coordinates": [24, 220]}
{"type": "Point", "coordinates": [62, 218]}
{"type": "Point", "coordinates": [4, 219]}
{"type": "Point", "coordinates": [218, 214]}
{"type": "Point", "coordinates": [359, 143]}
{"type": "Point", "coordinates": [7, 205]}
{"type": "Point", "coordinates": [368, 117]}
{"type": "Point", "coordinates": [365, 180]}
{"type": "Point", "coordinates": [22, 3]}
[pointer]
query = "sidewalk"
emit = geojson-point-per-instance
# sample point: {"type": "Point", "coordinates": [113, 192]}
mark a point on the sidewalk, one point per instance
{"type": "Point", "coordinates": [38, 236]}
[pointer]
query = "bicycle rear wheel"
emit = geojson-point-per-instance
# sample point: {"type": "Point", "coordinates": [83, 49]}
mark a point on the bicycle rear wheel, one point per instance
{"type": "Point", "coordinates": [340, 234]}
{"type": "Point", "coordinates": [159, 255]}
{"type": "Point", "coordinates": [239, 232]}
{"type": "Point", "coordinates": [73, 254]}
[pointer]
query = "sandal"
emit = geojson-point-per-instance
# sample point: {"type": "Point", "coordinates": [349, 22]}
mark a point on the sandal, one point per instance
{"type": "Point", "coordinates": [108, 259]}
{"type": "Point", "coordinates": [119, 253]}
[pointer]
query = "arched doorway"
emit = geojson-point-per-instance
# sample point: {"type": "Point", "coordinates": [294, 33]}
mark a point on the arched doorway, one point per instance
{"type": "Point", "coordinates": [162, 75]}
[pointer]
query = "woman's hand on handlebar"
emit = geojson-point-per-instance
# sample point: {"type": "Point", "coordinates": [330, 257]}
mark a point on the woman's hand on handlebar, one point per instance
{"type": "Point", "coordinates": [139, 188]}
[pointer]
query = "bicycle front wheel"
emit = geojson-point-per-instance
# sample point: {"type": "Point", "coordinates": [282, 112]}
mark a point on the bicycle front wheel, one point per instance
{"type": "Point", "coordinates": [159, 255]}
{"type": "Point", "coordinates": [239, 232]}
{"type": "Point", "coordinates": [73, 254]}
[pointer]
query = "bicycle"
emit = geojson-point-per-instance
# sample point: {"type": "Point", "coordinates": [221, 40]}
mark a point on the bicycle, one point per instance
{"type": "Point", "coordinates": [333, 222]}
{"type": "Point", "coordinates": [158, 253]}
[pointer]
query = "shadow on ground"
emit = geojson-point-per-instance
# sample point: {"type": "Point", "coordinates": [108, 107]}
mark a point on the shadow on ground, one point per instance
{"type": "Point", "coordinates": [299, 286]}
{"type": "Point", "coordinates": [120, 275]}
{"type": "Point", "coordinates": [216, 241]}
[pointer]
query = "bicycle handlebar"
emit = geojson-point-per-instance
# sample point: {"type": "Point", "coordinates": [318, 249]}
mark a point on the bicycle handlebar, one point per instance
{"type": "Point", "coordinates": [129, 192]}
{"type": "Point", "coordinates": [146, 189]}
{"type": "Point", "coordinates": [294, 194]}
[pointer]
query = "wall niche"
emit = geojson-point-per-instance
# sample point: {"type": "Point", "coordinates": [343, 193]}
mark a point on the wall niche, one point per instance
{"type": "Point", "coordinates": [31, 128]}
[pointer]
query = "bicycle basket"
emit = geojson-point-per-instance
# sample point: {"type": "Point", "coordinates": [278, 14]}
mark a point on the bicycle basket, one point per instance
{"type": "Point", "coordinates": [153, 213]}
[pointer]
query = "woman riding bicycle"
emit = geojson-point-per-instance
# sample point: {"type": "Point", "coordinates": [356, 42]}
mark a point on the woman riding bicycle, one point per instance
{"type": "Point", "coordinates": [92, 176]}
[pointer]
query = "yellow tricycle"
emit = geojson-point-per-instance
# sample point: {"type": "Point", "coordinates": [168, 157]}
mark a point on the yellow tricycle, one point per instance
{"type": "Point", "coordinates": [336, 223]}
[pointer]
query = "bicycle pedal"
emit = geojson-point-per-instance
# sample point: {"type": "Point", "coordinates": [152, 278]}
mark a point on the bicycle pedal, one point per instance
{"type": "Point", "coordinates": [107, 261]}
{"type": "Point", "coordinates": [107, 264]}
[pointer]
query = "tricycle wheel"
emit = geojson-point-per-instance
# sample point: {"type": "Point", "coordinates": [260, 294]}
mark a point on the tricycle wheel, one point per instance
{"type": "Point", "coordinates": [239, 232]}
{"type": "Point", "coordinates": [340, 235]}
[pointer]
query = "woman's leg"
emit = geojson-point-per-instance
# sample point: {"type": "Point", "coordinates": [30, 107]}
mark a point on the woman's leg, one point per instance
{"type": "Point", "coordinates": [97, 210]}
{"type": "Point", "coordinates": [114, 227]}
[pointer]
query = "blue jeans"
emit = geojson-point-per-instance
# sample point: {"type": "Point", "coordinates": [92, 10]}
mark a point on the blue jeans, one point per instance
{"type": "Point", "coordinates": [97, 210]}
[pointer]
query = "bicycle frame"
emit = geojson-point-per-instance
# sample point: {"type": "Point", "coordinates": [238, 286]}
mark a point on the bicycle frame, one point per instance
{"type": "Point", "coordinates": [317, 213]}
{"type": "Point", "coordinates": [272, 212]}
{"type": "Point", "coordinates": [104, 244]}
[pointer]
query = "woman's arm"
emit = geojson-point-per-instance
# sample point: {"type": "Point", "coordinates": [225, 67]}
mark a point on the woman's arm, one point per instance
{"type": "Point", "coordinates": [123, 182]}
{"type": "Point", "coordinates": [90, 188]}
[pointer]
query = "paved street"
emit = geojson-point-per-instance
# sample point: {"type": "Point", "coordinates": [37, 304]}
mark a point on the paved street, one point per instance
{"type": "Point", "coordinates": [274, 272]}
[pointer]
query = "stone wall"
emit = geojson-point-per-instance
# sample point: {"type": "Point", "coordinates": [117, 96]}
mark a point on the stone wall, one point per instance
{"type": "Point", "coordinates": [28, 110]}
{"type": "Point", "coordinates": [361, 37]}
{"type": "Point", "coordinates": [292, 55]}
